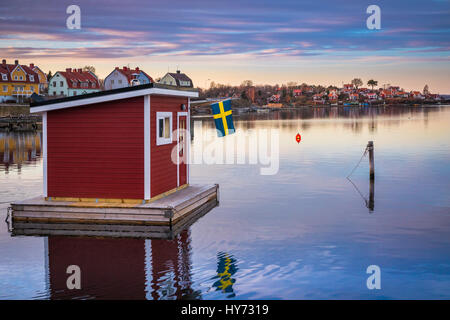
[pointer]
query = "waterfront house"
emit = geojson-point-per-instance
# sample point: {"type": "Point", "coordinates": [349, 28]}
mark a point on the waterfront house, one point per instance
{"type": "Point", "coordinates": [17, 82]}
{"type": "Point", "coordinates": [318, 98]}
{"type": "Point", "coordinates": [416, 95]}
{"type": "Point", "coordinates": [401, 94]}
{"type": "Point", "coordinates": [177, 79]}
{"type": "Point", "coordinates": [372, 96]}
{"type": "Point", "coordinates": [394, 89]}
{"type": "Point", "coordinates": [297, 92]}
{"type": "Point", "coordinates": [386, 94]}
{"type": "Point", "coordinates": [43, 82]}
{"type": "Point", "coordinates": [348, 87]}
{"type": "Point", "coordinates": [116, 144]}
{"type": "Point", "coordinates": [332, 95]}
{"type": "Point", "coordinates": [73, 82]}
{"type": "Point", "coordinates": [126, 77]}
{"type": "Point", "coordinates": [354, 96]}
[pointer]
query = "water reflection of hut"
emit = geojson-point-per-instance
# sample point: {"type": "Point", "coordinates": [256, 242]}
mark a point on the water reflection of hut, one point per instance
{"type": "Point", "coordinates": [122, 268]}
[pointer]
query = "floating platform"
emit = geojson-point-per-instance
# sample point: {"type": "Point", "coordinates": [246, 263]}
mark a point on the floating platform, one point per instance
{"type": "Point", "coordinates": [171, 211]}
{"type": "Point", "coordinates": [32, 228]}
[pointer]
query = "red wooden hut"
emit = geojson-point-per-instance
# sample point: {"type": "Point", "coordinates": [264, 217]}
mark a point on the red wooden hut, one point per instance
{"type": "Point", "coordinates": [116, 144]}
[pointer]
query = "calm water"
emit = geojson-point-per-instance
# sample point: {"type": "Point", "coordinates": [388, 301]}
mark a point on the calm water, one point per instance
{"type": "Point", "coordinates": [304, 233]}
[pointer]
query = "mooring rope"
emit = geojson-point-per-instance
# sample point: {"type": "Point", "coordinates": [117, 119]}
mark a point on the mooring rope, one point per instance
{"type": "Point", "coordinates": [359, 162]}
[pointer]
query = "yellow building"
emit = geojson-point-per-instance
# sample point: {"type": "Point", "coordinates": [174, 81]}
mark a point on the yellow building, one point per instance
{"type": "Point", "coordinates": [17, 82]}
{"type": "Point", "coordinates": [43, 83]}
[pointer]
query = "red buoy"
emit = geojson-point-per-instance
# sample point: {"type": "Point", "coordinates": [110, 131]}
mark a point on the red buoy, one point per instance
{"type": "Point", "coordinates": [298, 138]}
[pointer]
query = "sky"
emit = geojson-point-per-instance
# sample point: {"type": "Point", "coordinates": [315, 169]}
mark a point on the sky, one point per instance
{"type": "Point", "coordinates": [322, 42]}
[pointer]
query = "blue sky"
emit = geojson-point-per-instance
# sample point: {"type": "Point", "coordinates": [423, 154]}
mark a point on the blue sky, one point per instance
{"type": "Point", "coordinates": [322, 42]}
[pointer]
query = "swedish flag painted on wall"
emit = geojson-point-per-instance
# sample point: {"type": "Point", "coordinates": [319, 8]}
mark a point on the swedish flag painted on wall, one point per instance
{"type": "Point", "coordinates": [222, 117]}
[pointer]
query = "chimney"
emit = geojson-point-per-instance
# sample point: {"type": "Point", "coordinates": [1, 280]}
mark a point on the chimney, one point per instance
{"type": "Point", "coordinates": [16, 62]}
{"type": "Point", "coordinates": [125, 68]}
{"type": "Point", "coordinates": [4, 61]}
{"type": "Point", "coordinates": [117, 68]}
{"type": "Point", "coordinates": [31, 65]}
{"type": "Point", "coordinates": [137, 68]}
{"type": "Point", "coordinates": [80, 70]}
{"type": "Point", "coordinates": [178, 71]}
{"type": "Point", "coordinates": [68, 69]}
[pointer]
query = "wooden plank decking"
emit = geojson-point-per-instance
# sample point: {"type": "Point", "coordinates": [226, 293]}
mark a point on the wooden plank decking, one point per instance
{"type": "Point", "coordinates": [164, 212]}
{"type": "Point", "coordinates": [33, 228]}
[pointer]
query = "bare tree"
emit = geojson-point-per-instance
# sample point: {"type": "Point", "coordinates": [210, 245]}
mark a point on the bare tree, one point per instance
{"type": "Point", "coordinates": [357, 82]}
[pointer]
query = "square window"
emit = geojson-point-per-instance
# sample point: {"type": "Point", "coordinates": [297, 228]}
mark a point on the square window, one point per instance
{"type": "Point", "coordinates": [5, 88]}
{"type": "Point", "coordinates": [163, 128]}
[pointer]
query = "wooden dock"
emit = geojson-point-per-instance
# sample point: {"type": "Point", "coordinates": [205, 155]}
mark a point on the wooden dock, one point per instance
{"type": "Point", "coordinates": [21, 123]}
{"type": "Point", "coordinates": [33, 228]}
{"type": "Point", "coordinates": [168, 211]}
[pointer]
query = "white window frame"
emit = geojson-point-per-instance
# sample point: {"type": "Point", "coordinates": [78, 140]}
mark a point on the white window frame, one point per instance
{"type": "Point", "coordinates": [162, 115]}
{"type": "Point", "coordinates": [4, 77]}
{"type": "Point", "coordinates": [31, 78]}
{"type": "Point", "coordinates": [5, 88]}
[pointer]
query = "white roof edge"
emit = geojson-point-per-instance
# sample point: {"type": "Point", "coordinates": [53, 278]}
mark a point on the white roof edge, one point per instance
{"type": "Point", "coordinates": [113, 96]}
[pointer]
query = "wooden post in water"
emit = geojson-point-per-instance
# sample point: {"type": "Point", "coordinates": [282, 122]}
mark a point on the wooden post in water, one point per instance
{"type": "Point", "coordinates": [371, 203]}
{"type": "Point", "coordinates": [371, 160]}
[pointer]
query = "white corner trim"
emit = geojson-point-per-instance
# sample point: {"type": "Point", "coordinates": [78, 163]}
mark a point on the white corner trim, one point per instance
{"type": "Point", "coordinates": [113, 96]}
{"type": "Point", "coordinates": [147, 157]}
{"type": "Point", "coordinates": [179, 114]}
{"type": "Point", "coordinates": [44, 152]}
{"type": "Point", "coordinates": [188, 142]}
{"type": "Point", "coordinates": [163, 141]}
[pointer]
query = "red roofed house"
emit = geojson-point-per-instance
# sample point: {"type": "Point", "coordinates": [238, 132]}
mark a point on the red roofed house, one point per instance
{"type": "Point", "coordinates": [348, 87]}
{"type": "Point", "coordinates": [126, 77]}
{"type": "Point", "coordinates": [332, 95]}
{"type": "Point", "coordinates": [73, 82]}
{"type": "Point", "coordinates": [354, 97]}
{"type": "Point", "coordinates": [17, 81]}
{"type": "Point", "coordinates": [386, 94]}
{"type": "Point", "coordinates": [297, 92]}
{"type": "Point", "coordinates": [401, 94]}
{"type": "Point", "coordinates": [416, 95]}
{"type": "Point", "coordinates": [372, 96]}
{"type": "Point", "coordinates": [318, 98]}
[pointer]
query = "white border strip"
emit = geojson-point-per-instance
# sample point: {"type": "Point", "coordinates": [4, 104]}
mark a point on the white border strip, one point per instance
{"type": "Point", "coordinates": [113, 96]}
{"type": "Point", "coordinates": [180, 114]}
{"type": "Point", "coordinates": [188, 142]}
{"type": "Point", "coordinates": [147, 157]}
{"type": "Point", "coordinates": [44, 151]}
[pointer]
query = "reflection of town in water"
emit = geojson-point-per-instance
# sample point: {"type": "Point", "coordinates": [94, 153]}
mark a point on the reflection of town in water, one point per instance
{"type": "Point", "coordinates": [351, 116]}
{"type": "Point", "coordinates": [19, 148]}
